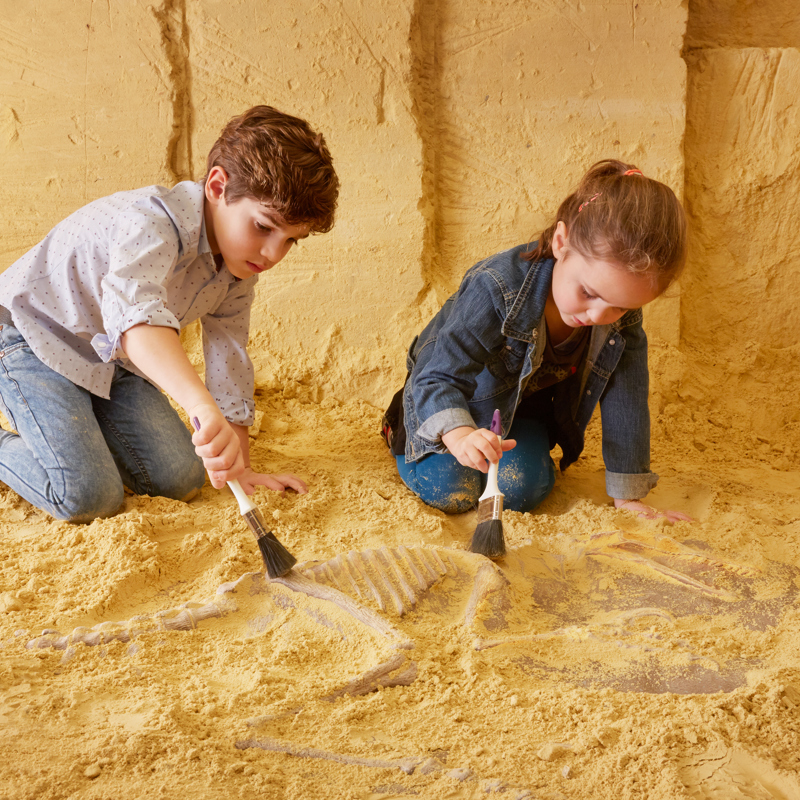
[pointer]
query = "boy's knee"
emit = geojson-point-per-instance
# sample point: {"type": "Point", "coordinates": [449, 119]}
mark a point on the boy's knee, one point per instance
{"type": "Point", "coordinates": [442, 483]}
{"type": "Point", "coordinates": [184, 482]}
{"type": "Point", "coordinates": [91, 501]}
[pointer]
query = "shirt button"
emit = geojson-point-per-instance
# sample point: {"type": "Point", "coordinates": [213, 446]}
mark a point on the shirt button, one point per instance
{"type": "Point", "coordinates": [612, 341]}
{"type": "Point", "coordinates": [588, 391]}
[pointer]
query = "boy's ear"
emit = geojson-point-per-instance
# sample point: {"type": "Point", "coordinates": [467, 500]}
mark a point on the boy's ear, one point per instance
{"type": "Point", "coordinates": [215, 185]}
{"type": "Point", "coordinates": [559, 242]}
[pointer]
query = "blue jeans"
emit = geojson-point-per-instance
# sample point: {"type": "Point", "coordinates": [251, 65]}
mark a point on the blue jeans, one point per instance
{"type": "Point", "coordinates": [73, 451]}
{"type": "Point", "coordinates": [525, 477]}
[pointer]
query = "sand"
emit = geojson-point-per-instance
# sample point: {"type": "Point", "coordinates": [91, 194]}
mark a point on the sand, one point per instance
{"type": "Point", "coordinates": [607, 657]}
{"type": "Point", "coordinates": [696, 696]}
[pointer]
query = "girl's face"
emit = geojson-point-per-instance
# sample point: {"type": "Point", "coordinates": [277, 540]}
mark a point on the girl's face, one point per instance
{"type": "Point", "coordinates": [588, 291]}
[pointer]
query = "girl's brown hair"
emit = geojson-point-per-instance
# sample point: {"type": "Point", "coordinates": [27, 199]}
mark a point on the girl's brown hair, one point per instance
{"type": "Point", "coordinates": [618, 215]}
{"type": "Point", "coordinates": [278, 159]}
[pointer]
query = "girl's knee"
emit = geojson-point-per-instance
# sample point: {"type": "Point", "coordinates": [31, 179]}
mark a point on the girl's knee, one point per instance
{"type": "Point", "coordinates": [453, 503]}
{"type": "Point", "coordinates": [442, 483]}
{"type": "Point", "coordinates": [454, 490]}
{"type": "Point", "coordinates": [525, 492]}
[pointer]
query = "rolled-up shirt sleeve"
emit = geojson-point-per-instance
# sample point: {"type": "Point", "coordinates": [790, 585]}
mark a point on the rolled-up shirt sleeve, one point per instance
{"type": "Point", "coordinates": [229, 370]}
{"type": "Point", "coordinates": [141, 257]}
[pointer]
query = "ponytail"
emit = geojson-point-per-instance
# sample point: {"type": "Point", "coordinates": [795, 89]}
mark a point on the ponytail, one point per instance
{"type": "Point", "coordinates": [618, 215]}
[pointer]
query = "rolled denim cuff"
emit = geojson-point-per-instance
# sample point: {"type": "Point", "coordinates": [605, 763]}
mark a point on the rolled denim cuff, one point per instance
{"type": "Point", "coordinates": [443, 421]}
{"type": "Point", "coordinates": [629, 486]}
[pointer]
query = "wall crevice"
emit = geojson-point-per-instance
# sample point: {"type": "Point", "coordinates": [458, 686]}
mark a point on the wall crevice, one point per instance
{"type": "Point", "coordinates": [175, 40]}
{"type": "Point", "coordinates": [424, 90]}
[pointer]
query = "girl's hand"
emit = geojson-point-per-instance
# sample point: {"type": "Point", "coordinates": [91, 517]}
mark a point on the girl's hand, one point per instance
{"type": "Point", "coordinates": [278, 483]}
{"type": "Point", "coordinates": [217, 443]}
{"type": "Point", "coordinates": [642, 510]}
{"type": "Point", "coordinates": [476, 447]}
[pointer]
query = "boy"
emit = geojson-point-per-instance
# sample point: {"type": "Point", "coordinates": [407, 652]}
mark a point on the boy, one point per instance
{"type": "Point", "coordinates": [90, 320]}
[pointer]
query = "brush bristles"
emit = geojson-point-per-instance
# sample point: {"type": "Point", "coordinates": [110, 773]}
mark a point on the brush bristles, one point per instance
{"type": "Point", "coordinates": [277, 559]}
{"type": "Point", "coordinates": [488, 539]}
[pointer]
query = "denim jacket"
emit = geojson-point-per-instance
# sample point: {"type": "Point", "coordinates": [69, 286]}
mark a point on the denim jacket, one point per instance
{"type": "Point", "coordinates": [479, 351]}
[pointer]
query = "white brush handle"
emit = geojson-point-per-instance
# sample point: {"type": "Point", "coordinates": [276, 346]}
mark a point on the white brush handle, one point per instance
{"type": "Point", "coordinates": [245, 503]}
{"type": "Point", "coordinates": [492, 489]}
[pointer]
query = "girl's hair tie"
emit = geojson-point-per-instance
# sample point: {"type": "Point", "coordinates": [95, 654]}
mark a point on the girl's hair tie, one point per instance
{"type": "Point", "coordinates": [586, 202]}
{"type": "Point", "coordinates": [634, 172]}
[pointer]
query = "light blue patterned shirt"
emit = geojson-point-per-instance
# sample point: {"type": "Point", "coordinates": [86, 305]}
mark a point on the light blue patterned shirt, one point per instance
{"type": "Point", "coordinates": [130, 258]}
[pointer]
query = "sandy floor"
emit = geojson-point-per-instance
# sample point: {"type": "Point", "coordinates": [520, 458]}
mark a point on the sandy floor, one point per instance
{"type": "Point", "coordinates": [652, 661]}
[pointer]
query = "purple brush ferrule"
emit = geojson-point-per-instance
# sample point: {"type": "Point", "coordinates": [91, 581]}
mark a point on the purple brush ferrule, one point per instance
{"type": "Point", "coordinates": [196, 423]}
{"type": "Point", "coordinates": [497, 426]}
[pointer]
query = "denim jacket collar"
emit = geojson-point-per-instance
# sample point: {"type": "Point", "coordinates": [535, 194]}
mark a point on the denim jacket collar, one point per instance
{"type": "Point", "coordinates": [527, 311]}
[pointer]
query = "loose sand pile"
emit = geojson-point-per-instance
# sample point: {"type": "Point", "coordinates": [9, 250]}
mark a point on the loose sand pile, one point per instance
{"type": "Point", "coordinates": [652, 662]}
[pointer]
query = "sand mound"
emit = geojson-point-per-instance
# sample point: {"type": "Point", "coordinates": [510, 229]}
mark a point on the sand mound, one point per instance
{"type": "Point", "coordinates": [605, 655]}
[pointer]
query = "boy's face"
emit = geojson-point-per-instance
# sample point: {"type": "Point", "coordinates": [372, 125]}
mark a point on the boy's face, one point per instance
{"type": "Point", "coordinates": [251, 236]}
{"type": "Point", "coordinates": [589, 291]}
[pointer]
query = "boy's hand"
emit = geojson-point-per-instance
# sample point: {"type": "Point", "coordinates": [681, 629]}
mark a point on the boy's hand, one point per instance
{"type": "Point", "coordinates": [218, 444]}
{"type": "Point", "coordinates": [476, 447]}
{"type": "Point", "coordinates": [277, 483]}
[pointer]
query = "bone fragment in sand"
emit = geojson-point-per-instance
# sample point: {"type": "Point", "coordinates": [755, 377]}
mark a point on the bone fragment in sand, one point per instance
{"type": "Point", "coordinates": [300, 583]}
{"type": "Point", "coordinates": [393, 577]}
{"type": "Point", "coordinates": [423, 765]}
{"type": "Point", "coordinates": [184, 618]}
{"type": "Point", "coordinates": [489, 580]}
{"type": "Point", "coordinates": [407, 765]}
{"type": "Point", "coordinates": [616, 545]}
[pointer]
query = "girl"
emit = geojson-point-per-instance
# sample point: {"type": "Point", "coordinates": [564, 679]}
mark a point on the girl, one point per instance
{"type": "Point", "coordinates": [543, 332]}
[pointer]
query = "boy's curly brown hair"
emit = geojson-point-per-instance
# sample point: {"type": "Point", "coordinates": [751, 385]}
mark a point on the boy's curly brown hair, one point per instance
{"type": "Point", "coordinates": [278, 159]}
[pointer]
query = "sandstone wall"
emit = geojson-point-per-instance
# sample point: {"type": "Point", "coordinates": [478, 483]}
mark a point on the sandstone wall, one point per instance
{"type": "Point", "coordinates": [742, 190]}
{"type": "Point", "coordinates": [528, 96]}
{"type": "Point", "coordinates": [456, 127]}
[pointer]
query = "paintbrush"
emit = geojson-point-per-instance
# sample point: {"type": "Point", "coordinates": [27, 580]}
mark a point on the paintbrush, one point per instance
{"type": "Point", "coordinates": [277, 559]}
{"type": "Point", "coordinates": [488, 537]}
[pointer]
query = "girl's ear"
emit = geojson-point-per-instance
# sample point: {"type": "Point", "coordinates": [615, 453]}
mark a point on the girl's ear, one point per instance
{"type": "Point", "coordinates": [559, 242]}
{"type": "Point", "coordinates": [215, 185]}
